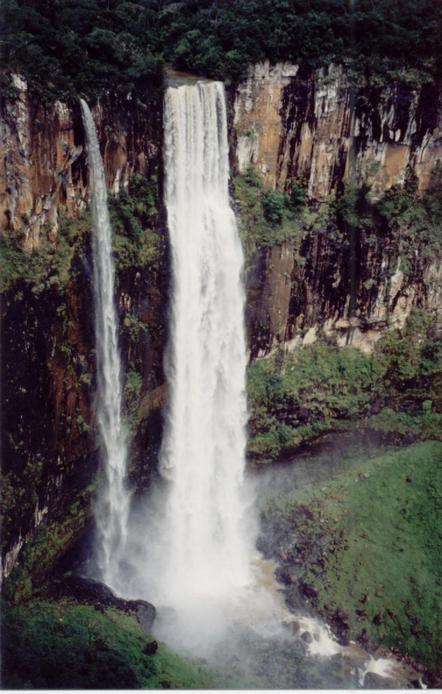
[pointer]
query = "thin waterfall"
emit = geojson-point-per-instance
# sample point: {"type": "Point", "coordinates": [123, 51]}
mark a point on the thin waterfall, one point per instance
{"type": "Point", "coordinates": [205, 545]}
{"type": "Point", "coordinates": [112, 505]}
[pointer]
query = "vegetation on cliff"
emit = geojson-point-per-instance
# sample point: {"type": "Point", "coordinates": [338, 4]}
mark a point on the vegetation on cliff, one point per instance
{"type": "Point", "coordinates": [269, 217]}
{"type": "Point", "coordinates": [48, 371]}
{"type": "Point", "coordinates": [396, 390]}
{"type": "Point", "coordinates": [365, 549]}
{"type": "Point", "coordinates": [67, 48]}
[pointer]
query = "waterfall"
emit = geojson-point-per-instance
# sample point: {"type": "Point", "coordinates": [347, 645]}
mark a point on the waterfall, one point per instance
{"type": "Point", "coordinates": [111, 508]}
{"type": "Point", "coordinates": [205, 545]}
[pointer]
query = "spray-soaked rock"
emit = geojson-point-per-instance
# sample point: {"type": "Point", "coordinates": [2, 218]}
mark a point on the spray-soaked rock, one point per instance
{"type": "Point", "coordinates": [102, 597]}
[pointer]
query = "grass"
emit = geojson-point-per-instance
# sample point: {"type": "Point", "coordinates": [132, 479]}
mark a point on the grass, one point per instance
{"type": "Point", "coordinates": [379, 530]}
{"type": "Point", "coordinates": [321, 387]}
{"type": "Point", "coordinates": [68, 645]}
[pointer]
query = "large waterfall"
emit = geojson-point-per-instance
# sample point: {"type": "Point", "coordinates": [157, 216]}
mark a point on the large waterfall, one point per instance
{"type": "Point", "coordinates": [202, 544]}
{"type": "Point", "coordinates": [112, 505]}
{"type": "Point", "coordinates": [204, 448]}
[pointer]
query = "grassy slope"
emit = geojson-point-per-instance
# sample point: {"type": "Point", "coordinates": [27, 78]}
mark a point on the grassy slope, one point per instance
{"type": "Point", "coordinates": [379, 528]}
{"type": "Point", "coordinates": [69, 645]}
{"type": "Point", "coordinates": [321, 387]}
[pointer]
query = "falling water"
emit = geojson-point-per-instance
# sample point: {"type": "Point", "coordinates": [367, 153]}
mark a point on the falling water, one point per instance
{"type": "Point", "coordinates": [112, 505]}
{"type": "Point", "coordinates": [205, 544]}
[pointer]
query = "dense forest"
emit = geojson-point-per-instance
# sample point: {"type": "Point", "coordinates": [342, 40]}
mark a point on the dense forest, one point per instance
{"type": "Point", "coordinates": [87, 46]}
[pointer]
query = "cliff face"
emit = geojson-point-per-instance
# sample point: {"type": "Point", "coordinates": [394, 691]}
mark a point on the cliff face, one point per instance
{"type": "Point", "coordinates": [43, 165]}
{"type": "Point", "coordinates": [348, 285]}
{"type": "Point", "coordinates": [321, 129]}
{"type": "Point", "coordinates": [48, 357]}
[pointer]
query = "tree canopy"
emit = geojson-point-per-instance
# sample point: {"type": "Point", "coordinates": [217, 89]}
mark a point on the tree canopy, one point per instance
{"type": "Point", "coordinates": [66, 47]}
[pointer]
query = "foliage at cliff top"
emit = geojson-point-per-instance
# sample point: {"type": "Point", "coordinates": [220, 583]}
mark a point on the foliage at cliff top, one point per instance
{"type": "Point", "coordinates": [66, 47]}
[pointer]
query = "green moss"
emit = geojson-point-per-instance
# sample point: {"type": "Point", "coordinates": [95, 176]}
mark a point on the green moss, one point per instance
{"type": "Point", "coordinates": [39, 554]}
{"type": "Point", "coordinates": [134, 215]}
{"type": "Point", "coordinates": [132, 396]}
{"type": "Point", "coordinates": [49, 265]}
{"type": "Point", "coordinates": [67, 645]}
{"type": "Point", "coordinates": [323, 387]}
{"type": "Point", "coordinates": [379, 530]}
{"type": "Point", "coordinates": [267, 217]}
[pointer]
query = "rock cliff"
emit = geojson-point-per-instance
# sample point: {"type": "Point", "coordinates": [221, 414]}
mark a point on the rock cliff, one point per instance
{"type": "Point", "coordinates": [323, 129]}
{"type": "Point", "coordinates": [349, 284]}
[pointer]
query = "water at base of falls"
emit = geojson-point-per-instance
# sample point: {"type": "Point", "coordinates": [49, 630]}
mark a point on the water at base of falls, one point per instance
{"type": "Point", "coordinates": [111, 508]}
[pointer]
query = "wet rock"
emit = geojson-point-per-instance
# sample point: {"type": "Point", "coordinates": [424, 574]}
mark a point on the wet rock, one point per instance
{"type": "Point", "coordinates": [284, 575]}
{"type": "Point", "coordinates": [363, 637]}
{"type": "Point", "coordinates": [308, 590]}
{"type": "Point", "coordinates": [306, 637]}
{"type": "Point", "coordinates": [374, 681]}
{"type": "Point", "coordinates": [150, 648]}
{"type": "Point", "coordinates": [102, 597]}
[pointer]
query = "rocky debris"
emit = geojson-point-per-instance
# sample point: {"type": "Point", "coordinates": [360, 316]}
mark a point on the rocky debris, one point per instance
{"type": "Point", "coordinates": [340, 621]}
{"type": "Point", "coordinates": [308, 590]}
{"type": "Point", "coordinates": [102, 597]}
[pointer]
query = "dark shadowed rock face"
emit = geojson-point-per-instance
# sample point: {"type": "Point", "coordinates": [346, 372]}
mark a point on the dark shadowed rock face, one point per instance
{"type": "Point", "coordinates": [93, 592]}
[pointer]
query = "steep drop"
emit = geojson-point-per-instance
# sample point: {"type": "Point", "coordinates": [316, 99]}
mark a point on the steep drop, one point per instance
{"type": "Point", "coordinates": [200, 535]}
{"type": "Point", "coordinates": [112, 504]}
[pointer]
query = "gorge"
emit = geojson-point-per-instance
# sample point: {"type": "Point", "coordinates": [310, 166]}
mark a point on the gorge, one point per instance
{"type": "Point", "coordinates": [221, 342]}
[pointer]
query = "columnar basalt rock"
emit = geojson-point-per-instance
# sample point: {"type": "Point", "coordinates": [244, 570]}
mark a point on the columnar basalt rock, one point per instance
{"type": "Point", "coordinates": [320, 128]}
{"type": "Point", "coordinates": [43, 172]}
{"type": "Point", "coordinates": [292, 123]}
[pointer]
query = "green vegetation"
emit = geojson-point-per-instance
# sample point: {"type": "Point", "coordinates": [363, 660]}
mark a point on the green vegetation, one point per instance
{"type": "Point", "coordinates": [396, 390]}
{"type": "Point", "coordinates": [132, 397]}
{"type": "Point", "coordinates": [64, 645]}
{"type": "Point", "coordinates": [47, 267]}
{"type": "Point", "coordinates": [38, 556]}
{"type": "Point", "coordinates": [400, 213]}
{"type": "Point", "coordinates": [268, 217]}
{"type": "Point", "coordinates": [88, 46]}
{"type": "Point", "coordinates": [371, 546]}
{"type": "Point", "coordinates": [134, 217]}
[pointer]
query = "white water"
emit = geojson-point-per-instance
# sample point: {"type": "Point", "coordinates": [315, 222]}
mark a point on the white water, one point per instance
{"type": "Point", "coordinates": [201, 547]}
{"type": "Point", "coordinates": [112, 506]}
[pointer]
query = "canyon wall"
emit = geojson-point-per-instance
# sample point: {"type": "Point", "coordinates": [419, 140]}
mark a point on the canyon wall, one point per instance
{"type": "Point", "coordinates": [350, 285]}
{"type": "Point", "coordinates": [321, 128]}
{"type": "Point", "coordinates": [49, 456]}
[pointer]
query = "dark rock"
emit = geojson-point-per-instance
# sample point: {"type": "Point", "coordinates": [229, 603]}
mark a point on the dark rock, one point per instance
{"type": "Point", "coordinates": [307, 637]}
{"type": "Point", "coordinates": [363, 637]}
{"type": "Point", "coordinates": [150, 648]}
{"type": "Point", "coordinates": [308, 590]}
{"type": "Point", "coordinates": [377, 619]}
{"type": "Point", "coordinates": [101, 596]}
{"type": "Point", "coordinates": [283, 575]}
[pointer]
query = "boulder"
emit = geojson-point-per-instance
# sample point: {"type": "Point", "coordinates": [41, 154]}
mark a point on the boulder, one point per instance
{"type": "Point", "coordinates": [99, 595]}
